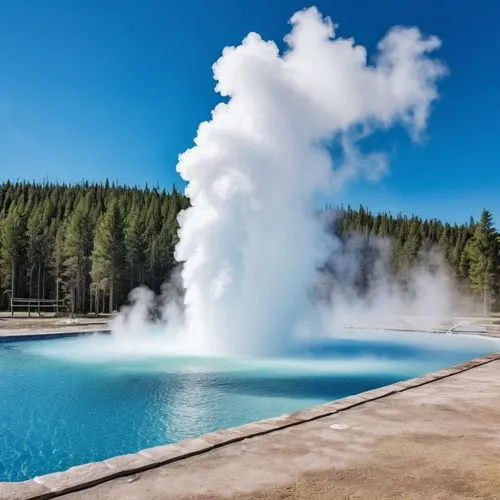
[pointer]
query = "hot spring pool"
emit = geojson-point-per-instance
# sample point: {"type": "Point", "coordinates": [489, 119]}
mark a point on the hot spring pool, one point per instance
{"type": "Point", "coordinates": [59, 408]}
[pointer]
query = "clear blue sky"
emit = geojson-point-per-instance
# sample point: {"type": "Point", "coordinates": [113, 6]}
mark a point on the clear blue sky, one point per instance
{"type": "Point", "coordinates": [91, 89]}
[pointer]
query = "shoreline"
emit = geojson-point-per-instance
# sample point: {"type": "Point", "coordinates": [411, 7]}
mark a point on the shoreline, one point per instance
{"type": "Point", "coordinates": [13, 328]}
{"type": "Point", "coordinates": [154, 460]}
{"type": "Point", "coordinates": [53, 329]}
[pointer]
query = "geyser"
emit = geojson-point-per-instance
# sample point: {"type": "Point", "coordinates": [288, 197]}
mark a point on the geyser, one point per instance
{"type": "Point", "coordinates": [250, 242]}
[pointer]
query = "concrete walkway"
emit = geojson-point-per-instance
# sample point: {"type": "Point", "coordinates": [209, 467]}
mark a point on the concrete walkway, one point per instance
{"type": "Point", "coordinates": [440, 440]}
{"type": "Point", "coordinates": [28, 327]}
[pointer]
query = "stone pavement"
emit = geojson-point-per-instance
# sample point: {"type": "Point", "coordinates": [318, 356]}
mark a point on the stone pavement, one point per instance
{"type": "Point", "coordinates": [439, 440]}
{"type": "Point", "coordinates": [436, 436]}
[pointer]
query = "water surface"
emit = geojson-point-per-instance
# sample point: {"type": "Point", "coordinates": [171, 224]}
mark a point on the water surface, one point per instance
{"type": "Point", "coordinates": [60, 408]}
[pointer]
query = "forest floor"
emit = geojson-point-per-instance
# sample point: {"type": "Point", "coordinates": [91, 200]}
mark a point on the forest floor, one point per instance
{"type": "Point", "coordinates": [22, 324]}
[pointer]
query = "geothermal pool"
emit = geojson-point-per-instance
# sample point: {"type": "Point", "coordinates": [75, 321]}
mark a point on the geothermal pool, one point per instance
{"type": "Point", "coordinates": [69, 401]}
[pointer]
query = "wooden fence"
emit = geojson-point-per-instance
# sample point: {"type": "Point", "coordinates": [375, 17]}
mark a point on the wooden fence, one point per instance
{"type": "Point", "coordinates": [36, 305]}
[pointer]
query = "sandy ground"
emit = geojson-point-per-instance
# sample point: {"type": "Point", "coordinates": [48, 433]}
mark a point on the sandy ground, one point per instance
{"type": "Point", "coordinates": [22, 324]}
{"type": "Point", "coordinates": [438, 441]}
{"type": "Point", "coordinates": [19, 325]}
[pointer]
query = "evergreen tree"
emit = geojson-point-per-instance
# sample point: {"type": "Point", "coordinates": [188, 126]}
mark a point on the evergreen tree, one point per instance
{"type": "Point", "coordinates": [11, 248]}
{"type": "Point", "coordinates": [76, 252]}
{"type": "Point", "coordinates": [109, 252]}
{"type": "Point", "coordinates": [34, 239]}
{"type": "Point", "coordinates": [56, 261]}
{"type": "Point", "coordinates": [483, 253]}
{"type": "Point", "coordinates": [135, 247]}
{"type": "Point", "coordinates": [49, 244]}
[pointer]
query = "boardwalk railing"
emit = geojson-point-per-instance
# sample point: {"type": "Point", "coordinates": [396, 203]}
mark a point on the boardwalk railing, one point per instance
{"type": "Point", "coordinates": [36, 305]}
{"type": "Point", "coordinates": [451, 324]}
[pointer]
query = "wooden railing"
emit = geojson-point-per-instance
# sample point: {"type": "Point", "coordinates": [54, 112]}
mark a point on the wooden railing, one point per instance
{"type": "Point", "coordinates": [36, 305]}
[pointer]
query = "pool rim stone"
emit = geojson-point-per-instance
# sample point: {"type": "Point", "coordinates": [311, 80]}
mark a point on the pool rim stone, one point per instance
{"type": "Point", "coordinates": [87, 475]}
{"type": "Point", "coordinates": [15, 336]}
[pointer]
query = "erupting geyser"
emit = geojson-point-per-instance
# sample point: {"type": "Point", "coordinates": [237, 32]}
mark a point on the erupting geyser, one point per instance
{"type": "Point", "coordinates": [250, 241]}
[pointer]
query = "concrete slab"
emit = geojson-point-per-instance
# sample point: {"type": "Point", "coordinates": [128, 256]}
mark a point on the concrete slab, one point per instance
{"type": "Point", "coordinates": [23, 490]}
{"type": "Point", "coordinates": [87, 474]}
{"type": "Point", "coordinates": [438, 440]}
{"type": "Point", "coordinates": [12, 328]}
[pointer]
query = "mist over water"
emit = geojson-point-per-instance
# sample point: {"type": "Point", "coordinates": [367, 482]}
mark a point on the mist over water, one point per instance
{"type": "Point", "coordinates": [251, 242]}
{"type": "Point", "coordinates": [87, 399]}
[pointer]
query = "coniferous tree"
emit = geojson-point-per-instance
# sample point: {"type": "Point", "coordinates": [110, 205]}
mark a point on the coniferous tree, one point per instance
{"type": "Point", "coordinates": [34, 247]}
{"type": "Point", "coordinates": [11, 248]}
{"type": "Point", "coordinates": [108, 257]}
{"type": "Point", "coordinates": [135, 246]}
{"type": "Point", "coordinates": [76, 251]}
{"type": "Point", "coordinates": [483, 253]}
{"type": "Point", "coordinates": [55, 262]}
{"type": "Point", "coordinates": [48, 237]}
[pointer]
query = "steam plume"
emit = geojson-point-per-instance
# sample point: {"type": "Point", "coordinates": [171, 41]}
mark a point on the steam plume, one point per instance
{"type": "Point", "coordinates": [250, 242]}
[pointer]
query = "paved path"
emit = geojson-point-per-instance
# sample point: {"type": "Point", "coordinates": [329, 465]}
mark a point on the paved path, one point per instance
{"type": "Point", "coordinates": [21, 327]}
{"type": "Point", "coordinates": [440, 440]}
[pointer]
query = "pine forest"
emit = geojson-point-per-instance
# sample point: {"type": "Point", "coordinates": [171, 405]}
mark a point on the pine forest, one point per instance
{"type": "Point", "coordinates": [88, 245]}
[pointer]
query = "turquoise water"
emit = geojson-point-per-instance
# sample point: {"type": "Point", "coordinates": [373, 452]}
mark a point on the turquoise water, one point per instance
{"type": "Point", "coordinates": [59, 408]}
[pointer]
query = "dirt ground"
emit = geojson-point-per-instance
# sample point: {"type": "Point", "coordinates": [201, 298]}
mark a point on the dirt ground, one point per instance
{"type": "Point", "coordinates": [437, 441]}
{"type": "Point", "coordinates": [24, 324]}
{"type": "Point", "coordinates": [21, 323]}
{"type": "Point", "coordinates": [413, 467]}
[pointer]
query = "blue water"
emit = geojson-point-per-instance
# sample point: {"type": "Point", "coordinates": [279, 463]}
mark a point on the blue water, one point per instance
{"type": "Point", "coordinates": [60, 408]}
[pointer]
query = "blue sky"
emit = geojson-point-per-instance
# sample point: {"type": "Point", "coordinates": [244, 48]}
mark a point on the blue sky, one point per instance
{"type": "Point", "coordinates": [95, 89]}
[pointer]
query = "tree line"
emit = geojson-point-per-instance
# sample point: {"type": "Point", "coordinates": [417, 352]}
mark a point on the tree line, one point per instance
{"type": "Point", "coordinates": [89, 244]}
{"type": "Point", "coordinates": [86, 244]}
{"type": "Point", "coordinates": [471, 251]}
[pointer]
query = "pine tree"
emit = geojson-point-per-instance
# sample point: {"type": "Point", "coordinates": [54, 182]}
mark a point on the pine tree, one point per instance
{"type": "Point", "coordinates": [11, 248]}
{"type": "Point", "coordinates": [483, 254]}
{"type": "Point", "coordinates": [76, 251]}
{"type": "Point", "coordinates": [34, 238]}
{"type": "Point", "coordinates": [56, 260]}
{"type": "Point", "coordinates": [53, 228]}
{"type": "Point", "coordinates": [135, 247]}
{"type": "Point", "coordinates": [109, 251]}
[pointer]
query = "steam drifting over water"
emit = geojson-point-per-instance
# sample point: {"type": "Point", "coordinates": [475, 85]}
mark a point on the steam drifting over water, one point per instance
{"type": "Point", "coordinates": [251, 243]}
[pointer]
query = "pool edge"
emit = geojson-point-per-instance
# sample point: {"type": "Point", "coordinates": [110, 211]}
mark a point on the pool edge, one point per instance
{"type": "Point", "coordinates": [87, 475]}
{"type": "Point", "coordinates": [11, 336]}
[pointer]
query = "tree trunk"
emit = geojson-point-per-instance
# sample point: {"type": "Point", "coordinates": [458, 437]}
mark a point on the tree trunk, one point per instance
{"type": "Point", "coordinates": [12, 285]}
{"type": "Point", "coordinates": [43, 282]}
{"type": "Point", "coordinates": [57, 284]}
{"type": "Point", "coordinates": [31, 282]}
{"type": "Point", "coordinates": [39, 278]}
{"type": "Point", "coordinates": [111, 295]}
{"type": "Point", "coordinates": [84, 293]}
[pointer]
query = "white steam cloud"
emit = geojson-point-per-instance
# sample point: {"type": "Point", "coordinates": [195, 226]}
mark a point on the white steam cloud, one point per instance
{"type": "Point", "coordinates": [358, 288]}
{"type": "Point", "coordinates": [251, 242]}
